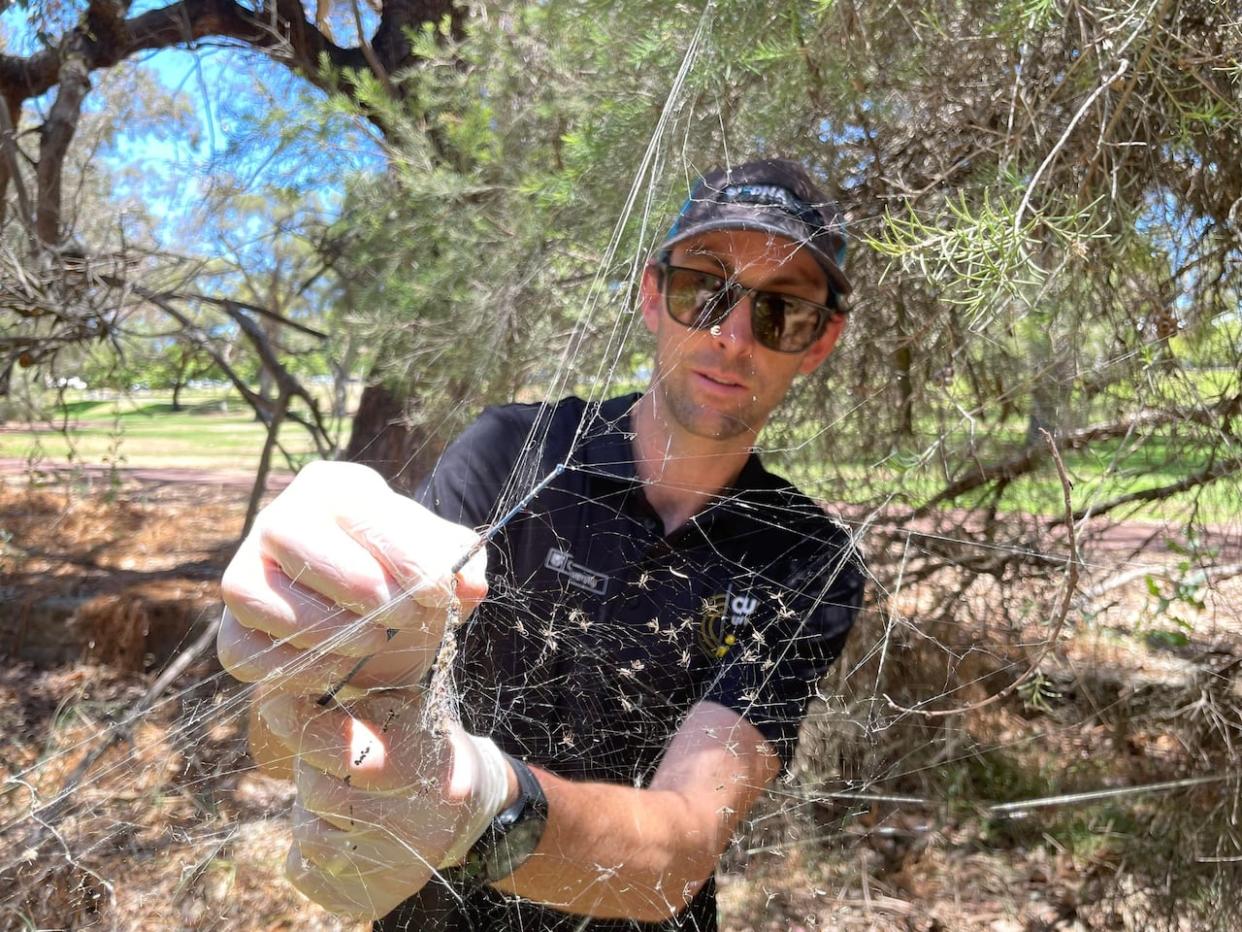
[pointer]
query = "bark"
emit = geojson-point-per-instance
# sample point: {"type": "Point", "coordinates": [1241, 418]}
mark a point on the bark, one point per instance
{"type": "Point", "coordinates": [383, 439]}
{"type": "Point", "coordinates": [903, 363]}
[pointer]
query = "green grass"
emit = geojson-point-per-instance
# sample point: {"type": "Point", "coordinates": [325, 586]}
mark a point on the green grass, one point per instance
{"type": "Point", "coordinates": [216, 431]}
{"type": "Point", "coordinates": [1099, 473]}
{"type": "Point", "coordinates": [213, 431]}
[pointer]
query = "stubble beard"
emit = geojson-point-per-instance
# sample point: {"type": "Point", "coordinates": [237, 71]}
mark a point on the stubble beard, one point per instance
{"type": "Point", "coordinates": [701, 420]}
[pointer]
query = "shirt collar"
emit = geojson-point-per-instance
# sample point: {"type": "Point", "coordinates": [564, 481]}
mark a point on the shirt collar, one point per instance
{"type": "Point", "coordinates": [607, 444]}
{"type": "Point", "coordinates": [607, 449]}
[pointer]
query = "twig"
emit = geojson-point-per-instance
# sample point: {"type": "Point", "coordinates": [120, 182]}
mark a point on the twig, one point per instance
{"type": "Point", "coordinates": [1069, 799]}
{"type": "Point", "coordinates": [1067, 597]}
{"type": "Point", "coordinates": [1030, 188]}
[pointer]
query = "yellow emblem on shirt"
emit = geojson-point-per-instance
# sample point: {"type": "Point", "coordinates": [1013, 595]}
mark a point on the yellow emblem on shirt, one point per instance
{"type": "Point", "coordinates": [721, 622]}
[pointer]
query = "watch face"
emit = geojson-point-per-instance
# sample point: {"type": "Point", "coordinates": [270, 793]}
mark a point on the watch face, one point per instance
{"type": "Point", "coordinates": [518, 843]}
{"type": "Point", "coordinates": [523, 838]}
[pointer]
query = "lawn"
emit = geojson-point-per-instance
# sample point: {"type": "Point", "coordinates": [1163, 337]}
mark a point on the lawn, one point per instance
{"type": "Point", "coordinates": [214, 430]}
{"type": "Point", "coordinates": [914, 472]}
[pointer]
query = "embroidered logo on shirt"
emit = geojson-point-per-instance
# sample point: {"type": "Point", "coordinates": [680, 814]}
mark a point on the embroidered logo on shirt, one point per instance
{"type": "Point", "coordinates": [721, 622]}
{"type": "Point", "coordinates": [562, 563]}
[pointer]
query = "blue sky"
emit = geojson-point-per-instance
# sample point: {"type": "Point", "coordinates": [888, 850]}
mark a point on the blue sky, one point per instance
{"type": "Point", "coordinates": [223, 93]}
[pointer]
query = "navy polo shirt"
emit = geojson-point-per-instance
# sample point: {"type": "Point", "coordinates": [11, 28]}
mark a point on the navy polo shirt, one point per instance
{"type": "Point", "coordinates": [600, 631]}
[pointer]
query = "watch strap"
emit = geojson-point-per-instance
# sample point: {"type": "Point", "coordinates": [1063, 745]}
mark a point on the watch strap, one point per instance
{"type": "Point", "coordinates": [501, 850]}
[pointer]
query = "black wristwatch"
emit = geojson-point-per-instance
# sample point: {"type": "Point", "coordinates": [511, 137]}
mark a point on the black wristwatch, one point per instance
{"type": "Point", "coordinates": [513, 835]}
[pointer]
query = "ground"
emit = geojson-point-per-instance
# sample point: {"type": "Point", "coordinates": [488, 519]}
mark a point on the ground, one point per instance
{"type": "Point", "coordinates": [894, 822]}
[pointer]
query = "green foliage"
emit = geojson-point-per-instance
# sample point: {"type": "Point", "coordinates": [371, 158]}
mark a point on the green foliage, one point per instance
{"type": "Point", "coordinates": [981, 255]}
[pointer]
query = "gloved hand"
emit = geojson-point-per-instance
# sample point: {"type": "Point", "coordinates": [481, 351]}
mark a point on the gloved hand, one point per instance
{"type": "Point", "coordinates": [383, 798]}
{"type": "Point", "coordinates": [338, 544]}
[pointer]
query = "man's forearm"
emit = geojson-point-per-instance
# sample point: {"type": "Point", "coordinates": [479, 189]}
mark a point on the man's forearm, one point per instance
{"type": "Point", "coordinates": [613, 851]}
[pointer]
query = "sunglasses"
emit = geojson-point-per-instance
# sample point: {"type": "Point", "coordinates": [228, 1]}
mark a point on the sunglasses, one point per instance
{"type": "Point", "coordinates": [781, 322]}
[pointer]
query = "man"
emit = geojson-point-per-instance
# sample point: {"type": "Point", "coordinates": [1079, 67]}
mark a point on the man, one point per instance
{"type": "Point", "coordinates": [655, 619]}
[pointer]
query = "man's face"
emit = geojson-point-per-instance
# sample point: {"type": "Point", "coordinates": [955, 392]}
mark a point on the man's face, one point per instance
{"type": "Point", "coordinates": [721, 383]}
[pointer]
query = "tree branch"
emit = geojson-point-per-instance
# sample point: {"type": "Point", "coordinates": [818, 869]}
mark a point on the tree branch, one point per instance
{"type": "Point", "coordinates": [73, 79]}
{"type": "Point", "coordinates": [253, 308]}
{"type": "Point", "coordinates": [1216, 416]}
{"type": "Point", "coordinates": [1031, 456]}
{"type": "Point", "coordinates": [181, 24]}
{"type": "Point", "coordinates": [1218, 470]}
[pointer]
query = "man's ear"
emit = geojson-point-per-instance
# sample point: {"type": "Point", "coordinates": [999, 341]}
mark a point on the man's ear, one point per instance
{"type": "Point", "coordinates": [650, 299]}
{"type": "Point", "coordinates": [820, 349]}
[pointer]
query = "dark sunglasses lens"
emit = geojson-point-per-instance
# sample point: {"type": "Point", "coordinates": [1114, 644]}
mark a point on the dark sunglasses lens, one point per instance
{"type": "Point", "coordinates": [782, 323]}
{"type": "Point", "coordinates": [695, 299]}
{"type": "Point", "coordinates": [779, 322]}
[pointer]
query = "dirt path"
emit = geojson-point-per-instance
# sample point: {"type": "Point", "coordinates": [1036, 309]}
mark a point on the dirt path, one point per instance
{"type": "Point", "coordinates": [166, 475]}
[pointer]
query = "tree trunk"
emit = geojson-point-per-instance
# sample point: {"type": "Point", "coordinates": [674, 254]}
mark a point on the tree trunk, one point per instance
{"type": "Point", "coordinates": [383, 439]}
{"type": "Point", "coordinates": [1050, 385]}
{"type": "Point", "coordinates": [903, 362]}
{"type": "Point", "coordinates": [179, 380]}
{"type": "Point", "coordinates": [56, 134]}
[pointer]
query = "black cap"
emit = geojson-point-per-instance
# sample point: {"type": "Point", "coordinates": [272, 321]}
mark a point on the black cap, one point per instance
{"type": "Point", "coordinates": [774, 196]}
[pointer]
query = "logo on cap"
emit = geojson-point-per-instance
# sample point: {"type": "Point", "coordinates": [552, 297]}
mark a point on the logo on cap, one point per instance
{"type": "Point", "coordinates": [770, 195]}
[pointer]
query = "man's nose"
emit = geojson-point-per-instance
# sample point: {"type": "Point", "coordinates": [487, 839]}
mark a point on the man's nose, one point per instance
{"type": "Point", "coordinates": [734, 332]}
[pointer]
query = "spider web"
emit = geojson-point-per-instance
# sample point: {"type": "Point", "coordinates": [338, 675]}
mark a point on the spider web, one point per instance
{"type": "Point", "coordinates": [960, 606]}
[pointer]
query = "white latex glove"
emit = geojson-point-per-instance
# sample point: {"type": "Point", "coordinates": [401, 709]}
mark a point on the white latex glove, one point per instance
{"type": "Point", "coordinates": [383, 800]}
{"type": "Point", "coordinates": [336, 545]}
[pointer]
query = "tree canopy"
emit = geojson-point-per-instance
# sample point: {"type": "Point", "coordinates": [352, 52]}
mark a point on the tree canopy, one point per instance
{"type": "Point", "coordinates": [1043, 205]}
